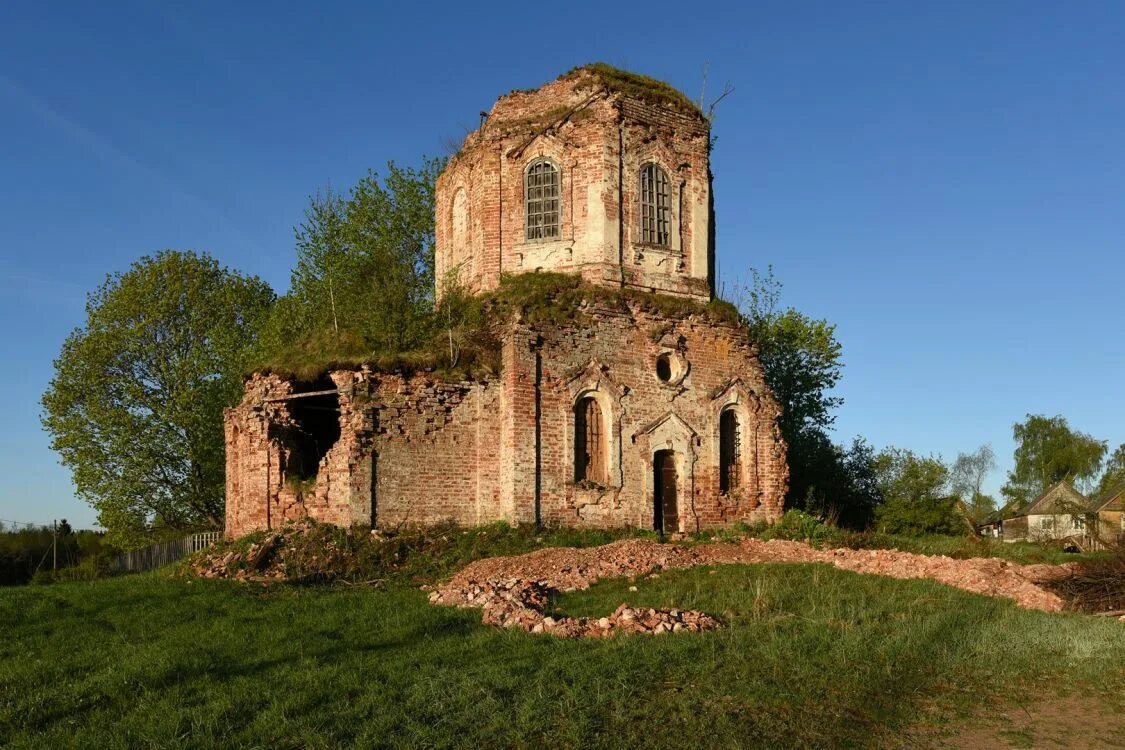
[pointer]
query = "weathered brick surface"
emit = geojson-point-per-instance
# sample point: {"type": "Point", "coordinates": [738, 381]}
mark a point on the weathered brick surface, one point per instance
{"type": "Point", "coordinates": [599, 140]}
{"type": "Point", "coordinates": [416, 449]}
{"type": "Point", "coordinates": [419, 450]}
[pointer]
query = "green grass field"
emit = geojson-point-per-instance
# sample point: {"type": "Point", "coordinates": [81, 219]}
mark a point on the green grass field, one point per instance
{"type": "Point", "coordinates": [812, 657]}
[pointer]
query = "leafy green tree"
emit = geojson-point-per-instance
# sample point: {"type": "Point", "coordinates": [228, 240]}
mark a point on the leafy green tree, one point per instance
{"type": "Point", "coordinates": [364, 278]}
{"type": "Point", "coordinates": [838, 482]}
{"type": "Point", "coordinates": [800, 355]}
{"type": "Point", "coordinates": [967, 476]}
{"type": "Point", "coordinates": [135, 406]}
{"type": "Point", "coordinates": [801, 359]}
{"type": "Point", "coordinates": [916, 497]}
{"type": "Point", "coordinates": [1047, 452]}
{"type": "Point", "coordinates": [1114, 473]}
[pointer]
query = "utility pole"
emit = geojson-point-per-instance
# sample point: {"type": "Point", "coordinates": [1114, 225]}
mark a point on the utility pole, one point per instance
{"type": "Point", "coordinates": [54, 544]}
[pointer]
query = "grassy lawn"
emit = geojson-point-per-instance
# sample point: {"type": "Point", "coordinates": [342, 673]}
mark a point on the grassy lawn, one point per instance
{"type": "Point", "coordinates": [813, 657]}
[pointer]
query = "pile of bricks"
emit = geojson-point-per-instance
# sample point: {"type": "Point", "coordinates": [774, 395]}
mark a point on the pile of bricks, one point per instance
{"type": "Point", "coordinates": [511, 591]}
{"type": "Point", "coordinates": [520, 603]}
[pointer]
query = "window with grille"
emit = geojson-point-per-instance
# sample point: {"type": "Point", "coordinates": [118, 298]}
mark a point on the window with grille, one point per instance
{"type": "Point", "coordinates": [589, 442]}
{"type": "Point", "coordinates": [542, 196]}
{"type": "Point", "coordinates": [730, 452]}
{"type": "Point", "coordinates": [656, 206]}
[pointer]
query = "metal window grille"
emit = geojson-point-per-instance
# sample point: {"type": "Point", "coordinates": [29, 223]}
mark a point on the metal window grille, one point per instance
{"type": "Point", "coordinates": [542, 196]}
{"type": "Point", "coordinates": [730, 452]}
{"type": "Point", "coordinates": [589, 442]}
{"type": "Point", "coordinates": [656, 206]}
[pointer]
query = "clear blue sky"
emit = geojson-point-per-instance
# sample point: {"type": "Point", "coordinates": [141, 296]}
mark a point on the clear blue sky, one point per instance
{"type": "Point", "coordinates": [945, 181]}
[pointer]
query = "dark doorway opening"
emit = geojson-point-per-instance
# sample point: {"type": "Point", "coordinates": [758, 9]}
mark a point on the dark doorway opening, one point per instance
{"type": "Point", "coordinates": [664, 481]}
{"type": "Point", "coordinates": [315, 428]}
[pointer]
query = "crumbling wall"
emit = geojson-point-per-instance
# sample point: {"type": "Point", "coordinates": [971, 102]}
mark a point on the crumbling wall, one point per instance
{"type": "Point", "coordinates": [436, 453]}
{"type": "Point", "coordinates": [417, 449]}
{"type": "Point", "coordinates": [271, 478]}
{"type": "Point", "coordinates": [411, 449]}
{"type": "Point", "coordinates": [598, 138]}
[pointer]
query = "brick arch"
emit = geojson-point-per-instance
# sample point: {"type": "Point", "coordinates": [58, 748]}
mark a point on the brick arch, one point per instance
{"type": "Point", "coordinates": [746, 406]}
{"type": "Point", "coordinates": [593, 381]}
{"type": "Point", "coordinates": [671, 432]}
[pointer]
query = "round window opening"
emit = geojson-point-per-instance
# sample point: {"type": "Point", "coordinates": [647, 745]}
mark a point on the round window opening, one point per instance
{"type": "Point", "coordinates": [664, 367]}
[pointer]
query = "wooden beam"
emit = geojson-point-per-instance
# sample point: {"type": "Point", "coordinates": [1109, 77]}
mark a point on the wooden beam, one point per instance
{"type": "Point", "coordinates": [292, 396]}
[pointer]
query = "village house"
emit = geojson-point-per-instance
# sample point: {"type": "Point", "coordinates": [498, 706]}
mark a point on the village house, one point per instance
{"type": "Point", "coordinates": [1063, 514]}
{"type": "Point", "coordinates": [1109, 515]}
{"type": "Point", "coordinates": [643, 408]}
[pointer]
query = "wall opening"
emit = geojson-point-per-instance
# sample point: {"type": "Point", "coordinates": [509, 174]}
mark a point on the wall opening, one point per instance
{"type": "Point", "coordinates": [589, 442]}
{"type": "Point", "coordinates": [664, 367]}
{"type": "Point", "coordinates": [730, 452]}
{"type": "Point", "coordinates": [665, 504]}
{"type": "Point", "coordinates": [315, 427]}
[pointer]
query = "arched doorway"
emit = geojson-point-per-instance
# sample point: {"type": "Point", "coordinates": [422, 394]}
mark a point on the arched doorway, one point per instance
{"type": "Point", "coordinates": [666, 518]}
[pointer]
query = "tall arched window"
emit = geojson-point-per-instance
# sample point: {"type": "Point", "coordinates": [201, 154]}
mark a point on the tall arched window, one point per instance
{"type": "Point", "coordinates": [541, 191]}
{"type": "Point", "coordinates": [656, 206]}
{"type": "Point", "coordinates": [730, 452]}
{"type": "Point", "coordinates": [589, 442]}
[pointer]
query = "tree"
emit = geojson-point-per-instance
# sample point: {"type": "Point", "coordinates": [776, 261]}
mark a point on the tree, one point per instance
{"type": "Point", "coordinates": [800, 355]}
{"type": "Point", "coordinates": [801, 359]}
{"type": "Point", "coordinates": [1114, 473]}
{"type": "Point", "coordinates": [916, 497]}
{"type": "Point", "coordinates": [839, 482]}
{"type": "Point", "coordinates": [364, 279]}
{"type": "Point", "coordinates": [967, 477]}
{"type": "Point", "coordinates": [1047, 452]}
{"type": "Point", "coordinates": [135, 406]}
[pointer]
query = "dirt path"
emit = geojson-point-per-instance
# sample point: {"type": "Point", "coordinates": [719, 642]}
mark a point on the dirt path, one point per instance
{"type": "Point", "coordinates": [511, 591]}
{"type": "Point", "coordinates": [1072, 722]}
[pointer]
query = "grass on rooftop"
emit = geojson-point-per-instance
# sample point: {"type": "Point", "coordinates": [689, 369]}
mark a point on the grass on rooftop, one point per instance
{"type": "Point", "coordinates": [539, 299]}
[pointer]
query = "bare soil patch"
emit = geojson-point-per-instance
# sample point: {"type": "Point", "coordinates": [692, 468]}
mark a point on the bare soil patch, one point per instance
{"type": "Point", "coordinates": [1073, 722]}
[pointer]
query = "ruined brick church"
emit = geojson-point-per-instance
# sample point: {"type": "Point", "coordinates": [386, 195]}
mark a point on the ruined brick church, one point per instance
{"type": "Point", "coordinates": [630, 416]}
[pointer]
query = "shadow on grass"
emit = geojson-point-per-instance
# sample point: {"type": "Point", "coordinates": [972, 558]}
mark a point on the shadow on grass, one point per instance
{"type": "Point", "coordinates": [813, 657]}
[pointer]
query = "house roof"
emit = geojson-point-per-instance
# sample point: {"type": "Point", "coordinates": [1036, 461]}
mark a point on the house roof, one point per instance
{"type": "Point", "coordinates": [1107, 497]}
{"type": "Point", "coordinates": [1012, 509]}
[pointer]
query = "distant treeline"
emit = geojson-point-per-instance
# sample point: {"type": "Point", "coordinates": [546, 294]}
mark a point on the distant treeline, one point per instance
{"type": "Point", "coordinates": [26, 551]}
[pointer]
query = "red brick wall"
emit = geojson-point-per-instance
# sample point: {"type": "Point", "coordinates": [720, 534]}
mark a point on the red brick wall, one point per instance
{"type": "Point", "coordinates": [471, 451]}
{"type": "Point", "coordinates": [598, 139]}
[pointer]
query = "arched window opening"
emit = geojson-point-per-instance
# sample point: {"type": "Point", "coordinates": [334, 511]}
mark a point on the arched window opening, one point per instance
{"type": "Point", "coordinates": [664, 367]}
{"type": "Point", "coordinates": [589, 442]}
{"type": "Point", "coordinates": [730, 452]}
{"type": "Point", "coordinates": [542, 197]}
{"type": "Point", "coordinates": [656, 206]}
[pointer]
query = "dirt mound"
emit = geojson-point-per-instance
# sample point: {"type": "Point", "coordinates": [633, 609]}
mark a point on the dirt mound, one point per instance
{"type": "Point", "coordinates": [300, 551]}
{"type": "Point", "coordinates": [511, 591]}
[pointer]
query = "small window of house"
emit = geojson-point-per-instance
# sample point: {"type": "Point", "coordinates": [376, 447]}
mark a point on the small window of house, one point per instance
{"type": "Point", "coordinates": [542, 197]}
{"type": "Point", "coordinates": [656, 206]}
{"type": "Point", "coordinates": [589, 442]}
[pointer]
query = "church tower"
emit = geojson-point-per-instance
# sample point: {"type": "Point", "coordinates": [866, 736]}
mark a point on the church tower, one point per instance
{"type": "Point", "coordinates": [600, 173]}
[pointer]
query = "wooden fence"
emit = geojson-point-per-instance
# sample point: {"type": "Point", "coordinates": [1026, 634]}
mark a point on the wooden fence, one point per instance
{"type": "Point", "coordinates": [164, 553]}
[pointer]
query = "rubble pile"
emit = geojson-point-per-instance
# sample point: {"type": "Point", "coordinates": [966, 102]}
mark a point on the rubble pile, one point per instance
{"type": "Point", "coordinates": [239, 564]}
{"type": "Point", "coordinates": [512, 591]}
{"type": "Point", "coordinates": [300, 550]}
{"type": "Point", "coordinates": [520, 603]}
